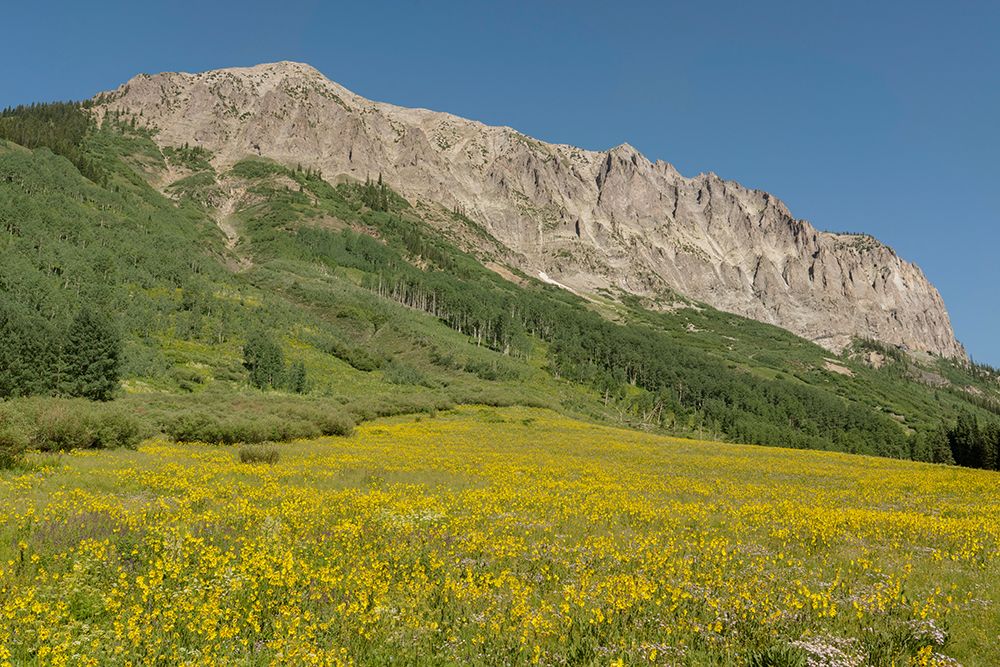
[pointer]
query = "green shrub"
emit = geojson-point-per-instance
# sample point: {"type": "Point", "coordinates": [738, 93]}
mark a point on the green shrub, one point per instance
{"type": "Point", "coordinates": [13, 437]}
{"type": "Point", "coordinates": [776, 655]}
{"type": "Point", "coordinates": [366, 409]}
{"type": "Point", "coordinates": [188, 379]}
{"type": "Point", "coordinates": [329, 422]}
{"type": "Point", "coordinates": [357, 357]}
{"type": "Point", "coordinates": [114, 427]}
{"type": "Point", "coordinates": [491, 370]}
{"type": "Point", "coordinates": [397, 372]}
{"type": "Point", "coordinates": [191, 427]}
{"type": "Point", "coordinates": [258, 168]}
{"type": "Point", "coordinates": [59, 424]}
{"type": "Point", "coordinates": [62, 426]}
{"type": "Point", "coordinates": [259, 454]}
{"type": "Point", "coordinates": [229, 423]}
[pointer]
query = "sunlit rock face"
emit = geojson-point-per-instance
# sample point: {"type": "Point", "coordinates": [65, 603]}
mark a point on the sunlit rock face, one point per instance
{"type": "Point", "coordinates": [585, 219]}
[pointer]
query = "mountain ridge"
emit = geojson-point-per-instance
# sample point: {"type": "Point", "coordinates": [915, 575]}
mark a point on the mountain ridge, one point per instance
{"type": "Point", "coordinates": [590, 220]}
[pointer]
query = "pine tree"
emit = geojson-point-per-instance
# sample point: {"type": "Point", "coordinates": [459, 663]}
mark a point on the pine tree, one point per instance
{"type": "Point", "coordinates": [937, 441]}
{"type": "Point", "coordinates": [263, 358]}
{"type": "Point", "coordinates": [26, 358]}
{"type": "Point", "coordinates": [297, 378]}
{"type": "Point", "coordinates": [90, 362]}
{"type": "Point", "coordinates": [989, 439]}
{"type": "Point", "coordinates": [920, 447]}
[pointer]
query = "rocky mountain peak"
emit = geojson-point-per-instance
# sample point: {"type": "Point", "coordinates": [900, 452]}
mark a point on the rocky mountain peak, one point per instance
{"type": "Point", "coordinates": [585, 219]}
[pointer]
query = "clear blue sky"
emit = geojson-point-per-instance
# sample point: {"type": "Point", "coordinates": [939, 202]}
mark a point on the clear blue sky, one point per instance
{"type": "Point", "coordinates": [861, 116]}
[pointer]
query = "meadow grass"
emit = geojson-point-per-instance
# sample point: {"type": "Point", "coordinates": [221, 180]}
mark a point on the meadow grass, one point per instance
{"type": "Point", "coordinates": [496, 536]}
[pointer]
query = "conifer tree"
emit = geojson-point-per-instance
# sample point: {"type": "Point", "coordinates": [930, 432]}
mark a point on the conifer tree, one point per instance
{"type": "Point", "coordinates": [263, 358]}
{"type": "Point", "coordinates": [939, 447]}
{"type": "Point", "coordinates": [90, 362]}
{"type": "Point", "coordinates": [297, 378]}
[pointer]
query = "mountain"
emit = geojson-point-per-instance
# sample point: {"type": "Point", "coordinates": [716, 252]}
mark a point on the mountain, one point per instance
{"type": "Point", "coordinates": [586, 220]}
{"type": "Point", "coordinates": [247, 299]}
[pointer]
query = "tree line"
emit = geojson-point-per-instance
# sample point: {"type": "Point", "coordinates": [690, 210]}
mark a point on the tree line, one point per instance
{"type": "Point", "coordinates": [973, 443]}
{"type": "Point", "coordinates": [58, 126]}
{"type": "Point", "coordinates": [37, 357]}
{"type": "Point", "coordinates": [681, 388]}
{"type": "Point", "coordinates": [265, 365]}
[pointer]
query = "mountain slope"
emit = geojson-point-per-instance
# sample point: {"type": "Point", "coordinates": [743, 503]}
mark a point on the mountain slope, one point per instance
{"type": "Point", "coordinates": [589, 220]}
{"type": "Point", "coordinates": [370, 297]}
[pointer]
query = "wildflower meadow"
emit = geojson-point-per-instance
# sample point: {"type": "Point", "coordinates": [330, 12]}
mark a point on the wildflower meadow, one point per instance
{"type": "Point", "coordinates": [496, 536]}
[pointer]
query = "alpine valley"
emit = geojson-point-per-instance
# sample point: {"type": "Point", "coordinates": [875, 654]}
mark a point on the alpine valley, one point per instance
{"type": "Point", "coordinates": [288, 376]}
{"type": "Point", "coordinates": [394, 259]}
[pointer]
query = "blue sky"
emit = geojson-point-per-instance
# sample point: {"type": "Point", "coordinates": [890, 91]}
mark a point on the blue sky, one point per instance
{"type": "Point", "coordinates": [861, 116]}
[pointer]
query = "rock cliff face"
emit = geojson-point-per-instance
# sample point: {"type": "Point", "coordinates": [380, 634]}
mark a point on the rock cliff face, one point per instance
{"type": "Point", "coordinates": [585, 219]}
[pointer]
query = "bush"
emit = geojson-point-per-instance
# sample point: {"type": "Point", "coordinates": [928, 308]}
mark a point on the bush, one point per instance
{"type": "Point", "coordinates": [13, 437]}
{"type": "Point", "coordinates": [327, 421]}
{"type": "Point", "coordinates": [491, 370]}
{"type": "Point", "coordinates": [776, 655]}
{"type": "Point", "coordinates": [399, 373]}
{"type": "Point", "coordinates": [65, 424]}
{"type": "Point", "coordinates": [187, 379]}
{"type": "Point", "coordinates": [369, 408]}
{"type": "Point", "coordinates": [230, 424]}
{"type": "Point", "coordinates": [259, 454]}
{"type": "Point", "coordinates": [357, 357]}
{"type": "Point", "coordinates": [258, 168]}
{"type": "Point", "coordinates": [114, 427]}
{"type": "Point", "coordinates": [62, 427]}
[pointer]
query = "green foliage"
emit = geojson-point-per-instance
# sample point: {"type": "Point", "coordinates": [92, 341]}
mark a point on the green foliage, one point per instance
{"type": "Point", "coordinates": [58, 126]}
{"type": "Point", "coordinates": [194, 158]}
{"type": "Point", "coordinates": [66, 244]}
{"type": "Point", "coordinates": [264, 360]}
{"type": "Point", "coordinates": [349, 280]}
{"type": "Point", "coordinates": [197, 187]}
{"type": "Point", "coordinates": [36, 358]}
{"type": "Point", "coordinates": [398, 372]}
{"type": "Point", "coordinates": [974, 444]}
{"type": "Point", "coordinates": [252, 168]}
{"type": "Point", "coordinates": [296, 378]}
{"type": "Point", "coordinates": [932, 446]}
{"type": "Point", "coordinates": [776, 654]}
{"type": "Point", "coordinates": [259, 454]}
{"type": "Point", "coordinates": [358, 357]}
{"type": "Point", "coordinates": [492, 370]}
{"type": "Point", "coordinates": [91, 357]}
{"type": "Point", "coordinates": [58, 424]}
{"type": "Point", "coordinates": [29, 352]}
{"type": "Point", "coordinates": [13, 436]}
{"type": "Point", "coordinates": [375, 195]}
{"type": "Point", "coordinates": [277, 421]}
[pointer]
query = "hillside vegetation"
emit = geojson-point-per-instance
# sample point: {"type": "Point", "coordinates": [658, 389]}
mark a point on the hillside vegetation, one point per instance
{"type": "Point", "coordinates": [266, 285]}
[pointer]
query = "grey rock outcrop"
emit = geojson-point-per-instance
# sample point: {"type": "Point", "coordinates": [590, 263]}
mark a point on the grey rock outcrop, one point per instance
{"type": "Point", "coordinates": [587, 219]}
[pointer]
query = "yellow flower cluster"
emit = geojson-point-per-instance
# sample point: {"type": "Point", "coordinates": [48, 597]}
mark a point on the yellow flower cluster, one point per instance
{"type": "Point", "coordinates": [496, 536]}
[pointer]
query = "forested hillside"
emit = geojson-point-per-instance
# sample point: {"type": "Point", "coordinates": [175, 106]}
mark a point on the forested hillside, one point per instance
{"type": "Point", "coordinates": [265, 302]}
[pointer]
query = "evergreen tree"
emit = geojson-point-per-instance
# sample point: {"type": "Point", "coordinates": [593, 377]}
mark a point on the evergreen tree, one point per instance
{"type": "Point", "coordinates": [974, 445]}
{"type": "Point", "coordinates": [90, 362]}
{"type": "Point", "coordinates": [988, 443]}
{"type": "Point", "coordinates": [962, 438]}
{"type": "Point", "coordinates": [940, 449]}
{"type": "Point", "coordinates": [263, 359]}
{"type": "Point", "coordinates": [297, 378]}
{"type": "Point", "coordinates": [28, 351]}
{"type": "Point", "coordinates": [920, 447]}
